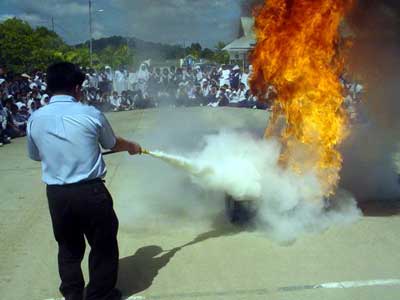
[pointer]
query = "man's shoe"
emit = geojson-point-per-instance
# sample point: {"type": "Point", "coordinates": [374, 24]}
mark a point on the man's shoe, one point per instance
{"type": "Point", "coordinates": [74, 297]}
{"type": "Point", "coordinates": [115, 295]}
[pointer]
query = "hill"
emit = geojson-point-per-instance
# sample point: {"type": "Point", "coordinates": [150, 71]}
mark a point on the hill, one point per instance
{"type": "Point", "coordinates": [140, 48]}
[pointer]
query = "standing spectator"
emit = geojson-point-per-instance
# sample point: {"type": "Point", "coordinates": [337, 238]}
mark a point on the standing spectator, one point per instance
{"type": "Point", "coordinates": [198, 74]}
{"type": "Point", "coordinates": [143, 77]}
{"type": "Point", "coordinates": [110, 79]}
{"type": "Point", "coordinates": [103, 82]}
{"type": "Point", "coordinates": [214, 75]}
{"type": "Point", "coordinates": [93, 79]}
{"type": "Point", "coordinates": [223, 75]}
{"type": "Point", "coordinates": [234, 78]}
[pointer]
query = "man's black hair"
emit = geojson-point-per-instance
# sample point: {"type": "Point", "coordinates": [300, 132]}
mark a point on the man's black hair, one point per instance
{"type": "Point", "coordinates": [64, 77]}
{"type": "Point", "coordinates": [14, 108]}
{"type": "Point", "coordinates": [9, 100]}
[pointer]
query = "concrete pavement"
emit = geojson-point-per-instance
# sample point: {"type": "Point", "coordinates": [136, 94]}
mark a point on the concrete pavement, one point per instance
{"type": "Point", "coordinates": [175, 248]}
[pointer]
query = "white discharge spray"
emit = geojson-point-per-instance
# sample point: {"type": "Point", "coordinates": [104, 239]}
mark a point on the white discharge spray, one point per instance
{"type": "Point", "coordinates": [182, 163]}
{"type": "Point", "coordinates": [247, 168]}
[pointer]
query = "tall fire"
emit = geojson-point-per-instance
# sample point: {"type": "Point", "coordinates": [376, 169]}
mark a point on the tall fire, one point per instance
{"type": "Point", "coordinates": [297, 53]}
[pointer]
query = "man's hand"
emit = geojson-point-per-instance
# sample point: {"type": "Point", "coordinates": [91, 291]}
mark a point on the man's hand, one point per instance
{"type": "Point", "coordinates": [134, 148]}
{"type": "Point", "coordinates": [125, 145]}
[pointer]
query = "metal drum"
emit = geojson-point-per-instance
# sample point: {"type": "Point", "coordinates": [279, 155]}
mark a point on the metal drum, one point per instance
{"type": "Point", "coordinates": [240, 212]}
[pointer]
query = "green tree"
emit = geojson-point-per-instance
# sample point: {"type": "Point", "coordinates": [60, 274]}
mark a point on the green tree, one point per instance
{"type": "Point", "coordinates": [24, 49]}
{"type": "Point", "coordinates": [79, 56]}
{"type": "Point", "coordinates": [47, 45]}
{"type": "Point", "coordinates": [221, 56]}
{"type": "Point", "coordinates": [116, 56]}
{"type": "Point", "coordinates": [195, 50]}
{"type": "Point", "coordinates": [207, 54]}
{"type": "Point", "coordinates": [16, 44]}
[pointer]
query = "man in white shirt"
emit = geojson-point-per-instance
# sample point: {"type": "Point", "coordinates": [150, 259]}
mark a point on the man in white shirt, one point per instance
{"type": "Point", "coordinates": [66, 136]}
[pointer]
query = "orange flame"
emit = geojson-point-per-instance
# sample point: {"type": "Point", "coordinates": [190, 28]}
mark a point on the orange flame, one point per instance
{"type": "Point", "coordinates": [297, 53]}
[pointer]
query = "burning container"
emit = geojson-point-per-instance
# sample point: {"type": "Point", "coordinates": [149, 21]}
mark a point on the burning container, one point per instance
{"type": "Point", "coordinates": [240, 212]}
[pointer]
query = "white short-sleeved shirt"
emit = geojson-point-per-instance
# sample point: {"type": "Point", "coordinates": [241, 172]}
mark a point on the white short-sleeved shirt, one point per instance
{"type": "Point", "coordinates": [66, 136]}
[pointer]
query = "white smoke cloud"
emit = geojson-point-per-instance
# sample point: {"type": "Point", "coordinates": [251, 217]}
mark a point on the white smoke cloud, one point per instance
{"type": "Point", "coordinates": [243, 166]}
{"type": "Point", "coordinates": [289, 204]}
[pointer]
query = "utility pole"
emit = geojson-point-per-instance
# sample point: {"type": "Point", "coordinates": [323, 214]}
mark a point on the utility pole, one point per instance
{"type": "Point", "coordinates": [52, 24]}
{"type": "Point", "coordinates": [91, 34]}
{"type": "Point", "coordinates": [128, 52]}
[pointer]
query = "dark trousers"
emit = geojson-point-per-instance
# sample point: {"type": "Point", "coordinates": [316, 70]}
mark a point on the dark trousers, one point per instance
{"type": "Point", "coordinates": [2, 135]}
{"type": "Point", "coordinates": [78, 211]}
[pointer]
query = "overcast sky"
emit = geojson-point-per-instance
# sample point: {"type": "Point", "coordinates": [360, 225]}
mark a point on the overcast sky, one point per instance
{"type": "Point", "coordinates": [167, 21]}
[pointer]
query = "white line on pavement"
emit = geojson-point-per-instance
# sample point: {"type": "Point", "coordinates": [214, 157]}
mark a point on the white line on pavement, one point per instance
{"type": "Point", "coordinates": [130, 298]}
{"type": "Point", "coordinates": [356, 284]}
{"type": "Point", "coordinates": [136, 298]}
{"type": "Point", "coordinates": [326, 285]}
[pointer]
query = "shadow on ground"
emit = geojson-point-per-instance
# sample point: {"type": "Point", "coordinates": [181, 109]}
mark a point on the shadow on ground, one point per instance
{"type": "Point", "coordinates": [137, 272]}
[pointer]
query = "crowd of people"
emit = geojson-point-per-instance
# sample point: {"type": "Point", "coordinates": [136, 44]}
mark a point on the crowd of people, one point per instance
{"type": "Point", "coordinates": [148, 87]}
{"type": "Point", "coordinates": [205, 85]}
{"type": "Point", "coordinates": [108, 90]}
{"type": "Point", "coordinates": [20, 96]}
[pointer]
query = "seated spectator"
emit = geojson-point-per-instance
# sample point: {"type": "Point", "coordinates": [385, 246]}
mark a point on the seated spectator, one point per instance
{"type": "Point", "coordinates": [103, 103]}
{"type": "Point", "coordinates": [144, 102]}
{"type": "Point", "coordinates": [14, 128]}
{"type": "Point", "coordinates": [4, 139]}
{"type": "Point", "coordinates": [92, 96]}
{"type": "Point", "coordinates": [32, 107]}
{"type": "Point", "coordinates": [44, 100]}
{"type": "Point", "coordinates": [242, 96]}
{"type": "Point", "coordinates": [195, 96]}
{"type": "Point", "coordinates": [126, 101]}
{"type": "Point", "coordinates": [24, 112]}
{"type": "Point", "coordinates": [223, 99]}
{"type": "Point", "coordinates": [19, 119]}
{"type": "Point", "coordinates": [212, 96]}
{"type": "Point", "coordinates": [205, 87]}
{"type": "Point", "coordinates": [115, 101]}
{"type": "Point", "coordinates": [181, 95]}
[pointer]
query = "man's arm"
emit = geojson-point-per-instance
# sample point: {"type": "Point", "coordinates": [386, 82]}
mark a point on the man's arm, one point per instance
{"type": "Point", "coordinates": [125, 145]}
{"type": "Point", "coordinates": [117, 144]}
{"type": "Point", "coordinates": [33, 151]}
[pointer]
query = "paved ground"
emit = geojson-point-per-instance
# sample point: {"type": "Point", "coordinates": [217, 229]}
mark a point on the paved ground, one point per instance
{"type": "Point", "coordinates": [218, 261]}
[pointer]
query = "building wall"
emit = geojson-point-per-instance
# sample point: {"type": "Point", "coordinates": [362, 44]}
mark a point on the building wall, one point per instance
{"type": "Point", "coordinates": [240, 57]}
